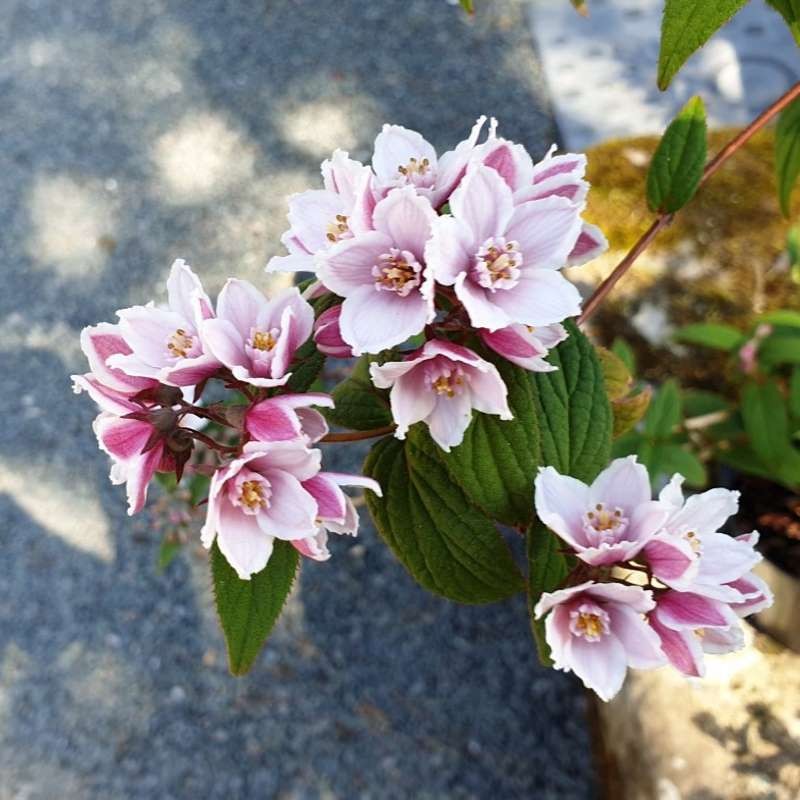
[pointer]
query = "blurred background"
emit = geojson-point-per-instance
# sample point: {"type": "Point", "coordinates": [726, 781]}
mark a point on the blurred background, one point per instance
{"type": "Point", "coordinates": [135, 133]}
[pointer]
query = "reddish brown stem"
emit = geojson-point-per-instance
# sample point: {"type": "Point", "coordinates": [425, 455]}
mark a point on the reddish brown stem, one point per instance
{"type": "Point", "coordinates": [663, 219]}
{"type": "Point", "coordinates": [212, 443]}
{"type": "Point", "coordinates": [355, 436]}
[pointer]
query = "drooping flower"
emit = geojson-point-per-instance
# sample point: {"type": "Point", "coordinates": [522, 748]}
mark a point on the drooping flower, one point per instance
{"type": "Point", "coordinates": [713, 560]}
{"type": "Point", "coordinates": [525, 346]}
{"type": "Point", "coordinates": [275, 490]}
{"type": "Point", "coordinates": [440, 385]}
{"type": "Point", "coordinates": [597, 631]}
{"type": "Point", "coordinates": [502, 259]}
{"type": "Point", "coordinates": [257, 338]}
{"type": "Point", "coordinates": [165, 343]}
{"type": "Point", "coordinates": [606, 523]}
{"type": "Point", "coordinates": [403, 157]}
{"type": "Point", "coordinates": [690, 624]}
{"type": "Point", "coordinates": [382, 276]}
{"type": "Point", "coordinates": [328, 334]}
{"type": "Point", "coordinates": [336, 511]}
{"type": "Point", "coordinates": [287, 417]}
{"type": "Point", "coordinates": [320, 218]}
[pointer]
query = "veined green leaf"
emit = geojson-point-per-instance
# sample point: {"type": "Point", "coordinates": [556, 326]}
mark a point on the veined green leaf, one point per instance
{"type": "Point", "coordinates": [677, 165]}
{"type": "Point", "coordinates": [248, 610]}
{"type": "Point", "coordinates": [709, 334]}
{"type": "Point", "coordinates": [766, 421]}
{"type": "Point", "coordinates": [686, 26]}
{"type": "Point", "coordinates": [787, 154]}
{"type": "Point", "coordinates": [447, 545]}
{"type": "Point", "coordinates": [665, 411]}
{"type": "Point", "coordinates": [359, 405]}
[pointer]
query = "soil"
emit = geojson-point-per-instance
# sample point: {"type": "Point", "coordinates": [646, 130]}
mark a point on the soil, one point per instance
{"type": "Point", "coordinates": [774, 511]}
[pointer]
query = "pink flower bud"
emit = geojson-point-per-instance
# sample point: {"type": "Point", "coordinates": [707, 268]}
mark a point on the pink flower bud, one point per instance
{"type": "Point", "coordinates": [328, 335]}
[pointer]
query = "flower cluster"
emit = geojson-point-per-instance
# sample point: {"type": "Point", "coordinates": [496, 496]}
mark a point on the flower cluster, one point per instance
{"type": "Point", "coordinates": [656, 581]}
{"type": "Point", "coordinates": [147, 375]}
{"type": "Point", "coordinates": [460, 249]}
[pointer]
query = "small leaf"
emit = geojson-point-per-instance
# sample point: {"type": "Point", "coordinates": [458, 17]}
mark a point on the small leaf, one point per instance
{"type": "Point", "coordinates": [628, 411]}
{"type": "Point", "coordinates": [794, 393]}
{"type": "Point", "coordinates": [787, 153]}
{"type": "Point", "coordinates": [686, 26]}
{"type": "Point", "coordinates": [168, 549]}
{"type": "Point", "coordinates": [677, 165]}
{"type": "Point", "coordinates": [547, 569]}
{"type": "Point", "coordinates": [783, 317]}
{"type": "Point", "coordinates": [616, 375]}
{"type": "Point", "coordinates": [766, 421]}
{"type": "Point", "coordinates": [790, 10]}
{"type": "Point", "coordinates": [671, 458]}
{"type": "Point", "coordinates": [468, 6]}
{"type": "Point", "coordinates": [248, 610]}
{"type": "Point", "coordinates": [306, 366]}
{"type": "Point", "coordinates": [776, 350]}
{"type": "Point", "coordinates": [447, 545]}
{"type": "Point", "coordinates": [621, 348]}
{"type": "Point", "coordinates": [709, 334]}
{"type": "Point", "coordinates": [665, 411]}
{"type": "Point", "coordinates": [573, 409]}
{"type": "Point", "coordinates": [359, 405]}
{"type": "Point", "coordinates": [497, 461]}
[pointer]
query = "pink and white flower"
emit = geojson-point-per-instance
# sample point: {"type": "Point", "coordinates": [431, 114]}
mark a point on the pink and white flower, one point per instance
{"type": "Point", "coordinates": [336, 511]}
{"type": "Point", "coordinates": [256, 338]}
{"type": "Point", "coordinates": [502, 259]}
{"type": "Point", "coordinates": [525, 346]}
{"type": "Point", "coordinates": [275, 490]}
{"type": "Point", "coordinates": [606, 523]}
{"type": "Point", "coordinates": [597, 631]}
{"type": "Point", "coordinates": [440, 385]}
{"type": "Point", "coordinates": [164, 343]}
{"type": "Point", "coordinates": [382, 275]}
{"type": "Point", "coordinates": [690, 624]}
{"type": "Point", "coordinates": [328, 334]}
{"type": "Point", "coordinates": [402, 157]}
{"type": "Point", "coordinates": [287, 417]}
{"type": "Point", "coordinates": [320, 218]}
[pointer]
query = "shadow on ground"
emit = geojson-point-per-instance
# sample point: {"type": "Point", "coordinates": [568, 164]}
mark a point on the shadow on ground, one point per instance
{"type": "Point", "coordinates": [135, 133]}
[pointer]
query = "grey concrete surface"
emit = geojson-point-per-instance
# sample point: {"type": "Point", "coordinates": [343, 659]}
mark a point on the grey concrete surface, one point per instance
{"type": "Point", "coordinates": [132, 133]}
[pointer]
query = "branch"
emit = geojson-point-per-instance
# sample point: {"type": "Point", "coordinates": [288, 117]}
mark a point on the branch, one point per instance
{"type": "Point", "coordinates": [663, 219]}
{"type": "Point", "coordinates": [356, 436]}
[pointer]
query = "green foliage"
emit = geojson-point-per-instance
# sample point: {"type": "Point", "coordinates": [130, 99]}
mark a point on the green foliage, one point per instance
{"type": "Point", "coordinates": [360, 406]}
{"type": "Point", "coordinates": [573, 409]}
{"type": "Point", "coordinates": [624, 351]}
{"type": "Point", "coordinates": [665, 412]}
{"type": "Point", "coordinates": [787, 153]}
{"type": "Point", "coordinates": [168, 549]}
{"type": "Point", "coordinates": [686, 26]}
{"type": "Point", "coordinates": [628, 405]}
{"type": "Point", "coordinates": [547, 569]}
{"type": "Point", "coordinates": [677, 165]}
{"type": "Point", "coordinates": [790, 10]}
{"type": "Point", "coordinates": [709, 334]}
{"type": "Point", "coordinates": [497, 462]}
{"type": "Point", "coordinates": [766, 421]}
{"type": "Point", "coordinates": [447, 544]}
{"type": "Point", "coordinates": [468, 6]}
{"type": "Point", "coordinates": [248, 610]}
{"type": "Point", "coordinates": [306, 367]}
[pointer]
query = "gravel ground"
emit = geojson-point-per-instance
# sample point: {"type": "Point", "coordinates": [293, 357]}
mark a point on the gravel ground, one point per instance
{"type": "Point", "coordinates": [132, 133]}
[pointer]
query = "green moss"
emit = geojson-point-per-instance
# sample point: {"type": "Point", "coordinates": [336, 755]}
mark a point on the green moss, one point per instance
{"type": "Point", "coordinates": [719, 260]}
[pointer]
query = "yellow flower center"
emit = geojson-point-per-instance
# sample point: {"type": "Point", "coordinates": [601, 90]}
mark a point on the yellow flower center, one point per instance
{"type": "Point", "coordinates": [589, 625]}
{"type": "Point", "coordinates": [602, 519]}
{"type": "Point", "coordinates": [263, 341]}
{"type": "Point", "coordinates": [447, 384]}
{"type": "Point", "coordinates": [337, 229]}
{"type": "Point", "coordinates": [180, 343]}
{"type": "Point", "coordinates": [251, 495]}
{"type": "Point", "coordinates": [415, 167]}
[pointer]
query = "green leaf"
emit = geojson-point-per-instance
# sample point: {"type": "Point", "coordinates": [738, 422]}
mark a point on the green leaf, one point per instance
{"type": "Point", "coordinates": [743, 459]}
{"type": "Point", "coordinates": [766, 421]}
{"type": "Point", "coordinates": [698, 403]}
{"type": "Point", "coordinates": [790, 10]}
{"type": "Point", "coordinates": [497, 461]}
{"type": "Point", "coordinates": [686, 26]}
{"type": "Point", "coordinates": [677, 165]}
{"type": "Point", "coordinates": [628, 411]}
{"type": "Point", "coordinates": [787, 153]}
{"type": "Point", "coordinates": [794, 393]}
{"type": "Point", "coordinates": [621, 348]}
{"type": "Point", "coordinates": [359, 405]}
{"type": "Point", "coordinates": [776, 350]}
{"type": "Point", "coordinates": [447, 545]}
{"type": "Point", "coordinates": [665, 411]}
{"type": "Point", "coordinates": [307, 365]}
{"type": "Point", "coordinates": [468, 6]}
{"type": "Point", "coordinates": [709, 334]}
{"type": "Point", "coordinates": [616, 375]}
{"type": "Point", "coordinates": [668, 459]}
{"type": "Point", "coordinates": [168, 549]}
{"type": "Point", "coordinates": [574, 413]}
{"type": "Point", "coordinates": [783, 317]}
{"type": "Point", "coordinates": [248, 610]}
{"type": "Point", "coordinates": [547, 569]}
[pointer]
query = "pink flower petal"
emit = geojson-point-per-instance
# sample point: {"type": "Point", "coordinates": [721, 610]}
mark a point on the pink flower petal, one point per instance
{"type": "Point", "coordinates": [243, 543]}
{"type": "Point", "coordinates": [291, 511]}
{"type": "Point", "coordinates": [347, 266]}
{"type": "Point", "coordinates": [601, 665]}
{"type": "Point", "coordinates": [561, 501]}
{"type": "Point", "coordinates": [449, 420]}
{"type": "Point", "coordinates": [689, 610]}
{"type": "Point", "coordinates": [450, 250]}
{"type": "Point", "coordinates": [330, 498]}
{"type": "Point", "coordinates": [484, 202]}
{"type": "Point", "coordinates": [590, 244]}
{"type": "Point", "coordinates": [240, 304]}
{"type": "Point", "coordinates": [624, 484]}
{"type": "Point", "coordinates": [542, 297]}
{"type": "Point", "coordinates": [546, 231]}
{"type": "Point", "coordinates": [406, 218]}
{"type": "Point", "coordinates": [670, 558]}
{"type": "Point", "coordinates": [682, 648]}
{"type": "Point", "coordinates": [394, 147]}
{"type": "Point", "coordinates": [642, 644]}
{"type": "Point", "coordinates": [224, 342]}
